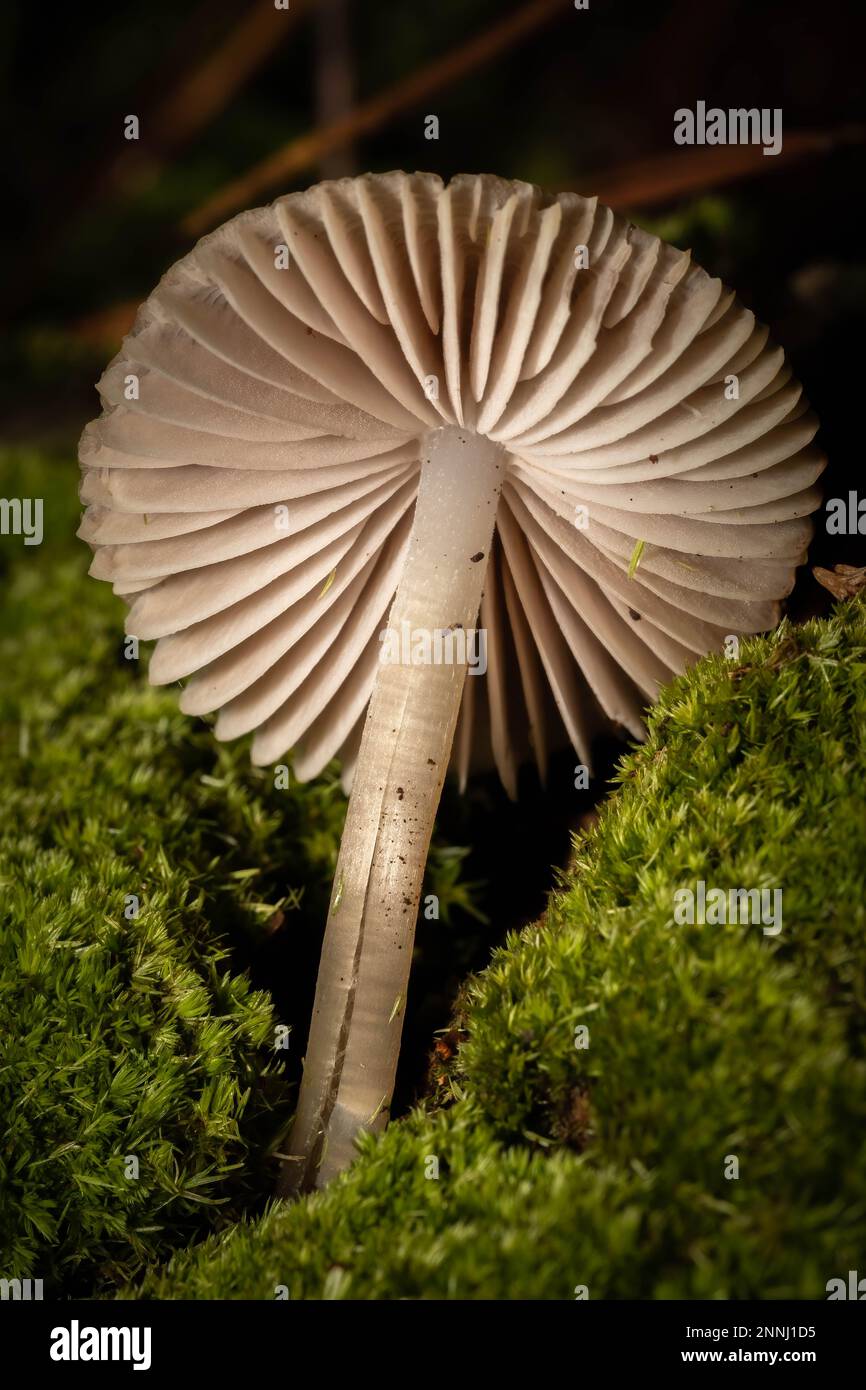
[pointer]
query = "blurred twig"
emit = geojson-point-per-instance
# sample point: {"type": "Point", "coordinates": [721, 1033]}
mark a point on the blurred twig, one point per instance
{"type": "Point", "coordinates": [683, 172]}
{"type": "Point", "coordinates": [209, 88]}
{"type": "Point", "coordinates": [201, 93]}
{"type": "Point", "coordinates": [310, 149]}
{"type": "Point", "coordinates": [659, 179]}
{"type": "Point", "coordinates": [335, 81]}
{"type": "Point", "coordinates": [200, 90]}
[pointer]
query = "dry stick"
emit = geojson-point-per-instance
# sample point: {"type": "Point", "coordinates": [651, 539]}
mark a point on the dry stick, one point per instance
{"type": "Point", "coordinates": [661, 178]}
{"type": "Point", "coordinates": [169, 121]}
{"type": "Point", "coordinates": [307, 151]}
{"type": "Point", "coordinates": [201, 94]}
{"type": "Point", "coordinates": [335, 81]}
{"type": "Point", "coordinates": [207, 90]}
{"type": "Point", "coordinates": [357, 1021]}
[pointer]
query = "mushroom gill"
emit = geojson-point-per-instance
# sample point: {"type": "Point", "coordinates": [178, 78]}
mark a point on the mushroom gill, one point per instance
{"type": "Point", "coordinates": [604, 446]}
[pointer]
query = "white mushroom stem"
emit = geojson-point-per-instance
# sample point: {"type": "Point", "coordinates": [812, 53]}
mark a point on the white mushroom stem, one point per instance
{"type": "Point", "coordinates": [357, 1022]}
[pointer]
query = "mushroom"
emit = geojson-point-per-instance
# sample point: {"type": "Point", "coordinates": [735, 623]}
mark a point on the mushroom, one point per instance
{"type": "Point", "coordinates": [378, 408]}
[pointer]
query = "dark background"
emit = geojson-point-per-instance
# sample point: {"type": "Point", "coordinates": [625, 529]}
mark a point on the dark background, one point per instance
{"type": "Point", "coordinates": [581, 100]}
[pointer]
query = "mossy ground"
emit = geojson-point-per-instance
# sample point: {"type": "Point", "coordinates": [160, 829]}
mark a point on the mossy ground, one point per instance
{"type": "Point", "coordinates": [604, 1167]}
{"type": "Point", "coordinates": [137, 1037]}
{"type": "Point", "coordinates": [558, 1167]}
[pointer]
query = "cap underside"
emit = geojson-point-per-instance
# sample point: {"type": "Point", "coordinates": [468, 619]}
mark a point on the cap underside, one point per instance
{"type": "Point", "coordinates": [251, 481]}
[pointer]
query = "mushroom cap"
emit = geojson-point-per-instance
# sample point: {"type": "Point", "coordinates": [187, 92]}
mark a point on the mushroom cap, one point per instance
{"type": "Point", "coordinates": [250, 483]}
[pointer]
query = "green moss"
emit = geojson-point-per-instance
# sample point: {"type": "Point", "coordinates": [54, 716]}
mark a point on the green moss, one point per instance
{"type": "Point", "coordinates": [134, 1037]}
{"type": "Point", "coordinates": [606, 1165]}
{"type": "Point", "coordinates": [557, 1166]}
{"type": "Point", "coordinates": [125, 1037]}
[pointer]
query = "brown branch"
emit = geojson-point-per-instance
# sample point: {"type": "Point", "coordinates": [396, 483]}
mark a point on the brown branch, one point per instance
{"type": "Point", "coordinates": [683, 172]}
{"type": "Point", "coordinates": [208, 89]}
{"type": "Point", "coordinates": [196, 94]}
{"type": "Point", "coordinates": [662, 178]}
{"type": "Point", "coordinates": [201, 94]}
{"type": "Point", "coordinates": [301, 154]}
{"type": "Point", "coordinates": [335, 81]}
